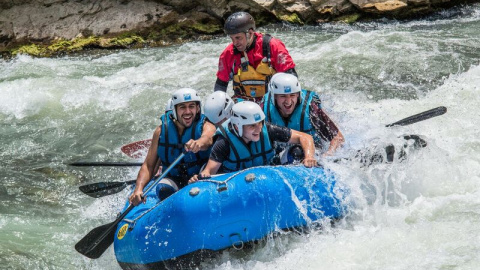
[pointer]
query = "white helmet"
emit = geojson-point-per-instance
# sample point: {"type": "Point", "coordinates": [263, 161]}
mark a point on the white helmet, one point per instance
{"type": "Point", "coordinates": [169, 106]}
{"type": "Point", "coordinates": [183, 95]}
{"type": "Point", "coordinates": [218, 106]}
{"type": "Point", "coordinates": [284, 83]}
{"type": "Point", "coordinates": [246, 113]}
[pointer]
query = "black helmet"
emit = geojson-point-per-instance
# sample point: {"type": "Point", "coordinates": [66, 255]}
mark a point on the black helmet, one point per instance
{"type": "Point", "coordinates": [239, 22]}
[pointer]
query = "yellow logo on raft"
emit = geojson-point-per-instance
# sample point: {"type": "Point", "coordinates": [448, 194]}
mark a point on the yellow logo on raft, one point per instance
{"type": "Point", "coordinates": [121, 233]}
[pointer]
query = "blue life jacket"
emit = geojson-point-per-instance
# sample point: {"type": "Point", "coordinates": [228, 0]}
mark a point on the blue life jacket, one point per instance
{"type": "Point", "coordinates": [171, 144]}
{"type": "Point", "coordinates": [244, 155]}
{"type": "Point", "coordinates": [300, 118]}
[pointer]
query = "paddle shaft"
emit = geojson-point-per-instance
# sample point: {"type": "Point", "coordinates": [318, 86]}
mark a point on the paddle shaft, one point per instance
{"type": "Point", "coordinates": [94, 244]}
{"type": "Point", "coordinates": [420, 117]}
{"type": "Point", "coordinates": [105, 163]}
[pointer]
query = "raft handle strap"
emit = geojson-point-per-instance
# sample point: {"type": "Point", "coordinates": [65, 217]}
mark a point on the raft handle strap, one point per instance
{"type": "Point", "coordinates": [222, 187]}
{"type": "Point", "coordinates": [131, 222]}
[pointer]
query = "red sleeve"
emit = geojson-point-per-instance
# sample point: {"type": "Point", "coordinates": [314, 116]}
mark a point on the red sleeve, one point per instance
{"type": "Point", "coordinates": [225, 63]}
{"type": "Point", "coordinates": [281, 59]}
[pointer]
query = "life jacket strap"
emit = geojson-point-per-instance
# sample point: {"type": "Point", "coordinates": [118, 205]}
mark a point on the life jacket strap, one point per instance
{"type": "Point", "coordinates": [266, 47]}
{"type": "Point", "coordinates": [235, 152]}
{"type": "Point", "coordinates": [304, 107]}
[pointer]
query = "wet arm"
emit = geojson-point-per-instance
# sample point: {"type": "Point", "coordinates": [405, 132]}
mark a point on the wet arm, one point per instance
{"type": "Point", "coordinates": [147, 170]}
{"type": "Point", "coordinates": [211, 168]}
{"type": "Point", "coordinates": [335, 143]}
{"type": "Point", "coordinates": [205, 140]}
{"type": "Point", "coordinates": [306, 141]}
{"type": "Point", "coordinates": [220, 152]}
{"type": "Point", "coordinates": [207, 135]}
{"type": "Point", "coordinates": [325, 127]}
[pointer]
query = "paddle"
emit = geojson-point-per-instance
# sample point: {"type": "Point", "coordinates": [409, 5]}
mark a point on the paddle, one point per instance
{"type": "Point", "coordinates": [133, 149]}
{"type": "Point", "coordinates": [99, 239]}
{"type": "Point", "coordinates": [369, 158]}
{"type": "Point", "coordinates": [420, 117]}
{"type": "Point", "coordinates": [105, 163]}
{"type": "Point", "coordinates": [102, 189]}
{"type": "Point", "coordinates": [137, 149]}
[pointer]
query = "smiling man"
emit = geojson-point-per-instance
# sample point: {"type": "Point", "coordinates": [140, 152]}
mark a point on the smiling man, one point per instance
{"type": "Point", "coordinates": [250, 60]}
{"type": "Point", "coordinates": [246, 141]}
{"type": "Point", "coordinates": [291, 106]}
{"type": "Point", "coordinates": [184, 127]}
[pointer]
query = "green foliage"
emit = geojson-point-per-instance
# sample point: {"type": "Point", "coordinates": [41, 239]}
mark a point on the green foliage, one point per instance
{"type": "Point", "coordinates": [81, 43]}
{"type": "Point", "coordinates": [125, 41]}
{"type": "Point", "coordinates": [185, 30]}
{"type": "Point", "coordinates": [291, 18]}
{"type": "Point", "coordinates": [349, 18]}
{"type": "Point", "coordinates": [60, 45]}
{"type": "Point", "coordinates": [31, 49]}
{"type": "Point", "coordinates": [207, 28]}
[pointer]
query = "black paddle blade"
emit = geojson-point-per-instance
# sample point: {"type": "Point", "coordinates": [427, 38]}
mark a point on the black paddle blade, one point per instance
{"type": "Point", "coordinates": [94, 244]}
{"type": "Point", "coordinates": [420, 117]}
{"type": "Point", "coordinates": [101, 189]}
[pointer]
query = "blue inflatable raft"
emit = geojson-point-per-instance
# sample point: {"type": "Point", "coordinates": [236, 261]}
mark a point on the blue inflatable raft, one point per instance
{"type": "Point", "coordinates": [224, 211]}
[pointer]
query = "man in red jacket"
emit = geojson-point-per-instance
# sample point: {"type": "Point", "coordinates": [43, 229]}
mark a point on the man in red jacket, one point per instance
{"type": "Point", "coordinates": [250, 60]}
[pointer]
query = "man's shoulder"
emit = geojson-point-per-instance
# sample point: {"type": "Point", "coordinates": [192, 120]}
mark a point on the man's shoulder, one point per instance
{"type": "Point", "coordinates": [229, 50]}
{"type": "Point", "coordinates": [221, 143]}
{"type": "Point", "coordinates": [261, 37]}
{"type": "Point", "coordinates": [275, 41]}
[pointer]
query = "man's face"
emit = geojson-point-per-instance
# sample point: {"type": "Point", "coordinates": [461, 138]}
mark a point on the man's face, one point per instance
{"type": "Point", "coordinates": [286, 103]}
{"type": "Point", "coordinates": [252, 132]}
{"type": "Point", "coordinates": [240, 41]}
{"type": "Point", "coordinates": [186, 112]}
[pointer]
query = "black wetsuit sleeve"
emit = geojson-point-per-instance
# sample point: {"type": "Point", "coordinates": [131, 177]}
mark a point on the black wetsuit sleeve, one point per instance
{"type": "Point", "coordinates": [292, 71]}
{"type": "Point", "coordinates": [323, 125]}
{"type": "Point", "coordinates": [220, 150]}
{"type": "Point", "coordinates": [278, 134]}
{"type": "Point", "coordinates": [220, 85]}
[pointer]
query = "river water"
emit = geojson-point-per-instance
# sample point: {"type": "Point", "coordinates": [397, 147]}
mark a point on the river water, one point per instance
{"type": "Point", "coordinates": [421, 213]}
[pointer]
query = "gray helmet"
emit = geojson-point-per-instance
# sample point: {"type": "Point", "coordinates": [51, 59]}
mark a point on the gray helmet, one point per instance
{"type": "Point", "coordinates": [239, 22]}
